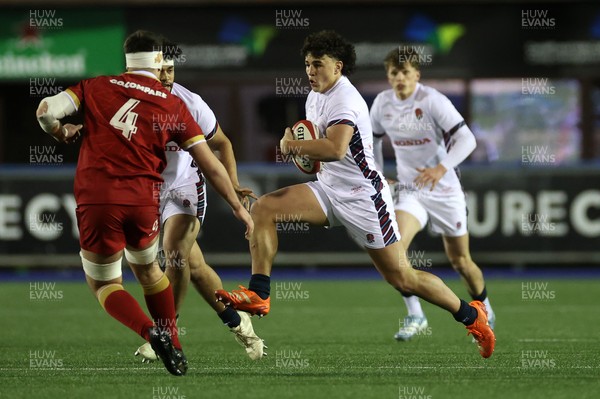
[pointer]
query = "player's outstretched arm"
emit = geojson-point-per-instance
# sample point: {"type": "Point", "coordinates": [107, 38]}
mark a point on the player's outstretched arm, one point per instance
{"type": "Point", "coordinates": [216, 174]}
{"type": "Point", "coordinates": [220, 143]}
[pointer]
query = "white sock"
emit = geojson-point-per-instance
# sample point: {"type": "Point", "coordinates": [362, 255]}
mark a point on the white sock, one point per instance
{"type": "Point", "coordinates": [413, 305]}
{"type": "Point", "coordinates": [488, 307]}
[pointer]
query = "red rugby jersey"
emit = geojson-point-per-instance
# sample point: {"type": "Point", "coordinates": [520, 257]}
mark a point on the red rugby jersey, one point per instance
{"type": "Point", "coordinates": [129, 118]}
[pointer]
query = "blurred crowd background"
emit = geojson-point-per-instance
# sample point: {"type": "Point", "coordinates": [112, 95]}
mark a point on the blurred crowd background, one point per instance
{"type": "Point", "coordinates": [526, 77]}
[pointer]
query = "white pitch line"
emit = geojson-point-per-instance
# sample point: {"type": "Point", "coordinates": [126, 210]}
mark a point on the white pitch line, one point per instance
{"type": "Point", "coordinates": [557, 340]}
{"type": "Point", "coordinates": [291, 368]}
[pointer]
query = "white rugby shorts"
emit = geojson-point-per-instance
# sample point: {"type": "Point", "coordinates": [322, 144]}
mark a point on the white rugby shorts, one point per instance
{"type": "Point", "coordinates": [369, 219]}
{"type": "Point", "coordinates": [447, 215]}
{"type": "Point", "coordinates": [185, 200]}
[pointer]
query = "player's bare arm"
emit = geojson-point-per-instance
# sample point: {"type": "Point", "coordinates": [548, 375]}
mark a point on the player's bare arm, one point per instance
{"type": "Point", "coordinates": [221, 144]}
{"type": "Point", "coordinates": [216, 174]}
{"type": "Point", "coordinates": [333, 147]}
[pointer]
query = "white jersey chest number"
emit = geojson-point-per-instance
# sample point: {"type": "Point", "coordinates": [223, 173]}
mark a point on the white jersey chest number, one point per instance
{"type": "Point", "coordinates": [124, 119]}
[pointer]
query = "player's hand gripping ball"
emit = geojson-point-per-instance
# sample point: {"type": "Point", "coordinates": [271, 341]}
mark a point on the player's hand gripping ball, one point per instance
{"type": "Point", "coordinates": [306, 130]}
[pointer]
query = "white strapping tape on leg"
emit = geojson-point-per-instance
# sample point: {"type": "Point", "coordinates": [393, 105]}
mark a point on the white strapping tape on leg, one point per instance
{"type": "Point", "coordinates": [143, 257]}
{"type": "Point", "coordinates": [102, 272]}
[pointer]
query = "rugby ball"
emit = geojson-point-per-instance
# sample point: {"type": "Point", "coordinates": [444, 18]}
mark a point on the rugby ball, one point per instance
{"type": "Point", "coordinates": [305, 130]}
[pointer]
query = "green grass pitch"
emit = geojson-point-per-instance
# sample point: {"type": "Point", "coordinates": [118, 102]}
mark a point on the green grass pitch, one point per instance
{"type": "Point", "coordinates": [326, 338]}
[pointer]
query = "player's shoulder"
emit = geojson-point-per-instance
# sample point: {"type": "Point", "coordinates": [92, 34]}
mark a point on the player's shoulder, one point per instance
{"type": "Point", "coordinates": [101, 83]}
{"type": "Point", "coordinates": [184, 93]}
{"type": "Point", "coordinates": [179, 89]}
{"type": "Point", "coordinates": [101, 79]}
{"type": "Point", "coordinates": [191, 99]}
{"type": "Point", "coordinates": [346, 93]}
{"type": "Point", "coordinates": [384, 97]}
{"type": "Point", "coordinates": [144, 81]}
{"type": "Point", "coordinates": [428, 93]}
{"type": "Point", "coordinates": [346, 88]}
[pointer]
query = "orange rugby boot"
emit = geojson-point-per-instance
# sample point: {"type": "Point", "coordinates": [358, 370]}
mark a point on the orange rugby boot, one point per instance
{"type": "Point", "coordinates": [481, 331]}
{"type": "Point", "coordinates": [245, 300]}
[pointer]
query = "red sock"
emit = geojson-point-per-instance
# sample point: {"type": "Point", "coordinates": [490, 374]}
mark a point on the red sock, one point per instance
{"type": "Point", "coordinates": [161, 304]}
{"type": "Point", "coordinates": [122, 306]}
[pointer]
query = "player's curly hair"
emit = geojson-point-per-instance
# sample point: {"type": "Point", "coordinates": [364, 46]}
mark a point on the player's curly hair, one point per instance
{"type": "Point", "coordinates": [329, 42]}
{"type": "Point", "coordinates": [141, 41]}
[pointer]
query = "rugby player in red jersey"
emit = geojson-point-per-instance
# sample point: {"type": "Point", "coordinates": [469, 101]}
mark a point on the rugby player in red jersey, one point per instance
{"type": "Point", "coordinates": [117, 183]}
{"type": "Point", "coordinates": [183, 204]}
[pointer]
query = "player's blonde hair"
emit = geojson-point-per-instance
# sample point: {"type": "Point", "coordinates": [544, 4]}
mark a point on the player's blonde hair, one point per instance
{"type": "Point", "coordinates": [398, 57]}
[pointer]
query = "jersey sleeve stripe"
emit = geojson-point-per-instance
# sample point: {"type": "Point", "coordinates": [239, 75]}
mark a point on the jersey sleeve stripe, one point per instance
{"type": "Point", "coordinates": [74, 99]}
{"type": "Point", "coordinates": [212, 132]}
{"type": "Point", "coordinates": [341, 122]}
{"type": "Point", "coordinates": [193, 141]}
{"type": "Point", "coordinates": [447, 135]}
{"type": "Point", "coordinates": [455, 128]}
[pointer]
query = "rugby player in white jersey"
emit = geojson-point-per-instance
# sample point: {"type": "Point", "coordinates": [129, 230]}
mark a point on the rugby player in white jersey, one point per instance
{"type": "Point", "coordinates": [430, 139]}
{"type": "Point", "coordinates": [350, 191]}
{"type": "Point", "coordinates": [182, 209]}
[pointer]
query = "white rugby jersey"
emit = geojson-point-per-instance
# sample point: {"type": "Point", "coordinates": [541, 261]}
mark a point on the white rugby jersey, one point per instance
{"type": "Point", "coordinates": [181, 169]}
{"type": "Point", "coordinates": [420, 129]}
{"type": "Point", "coordinates": [357, 171]}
